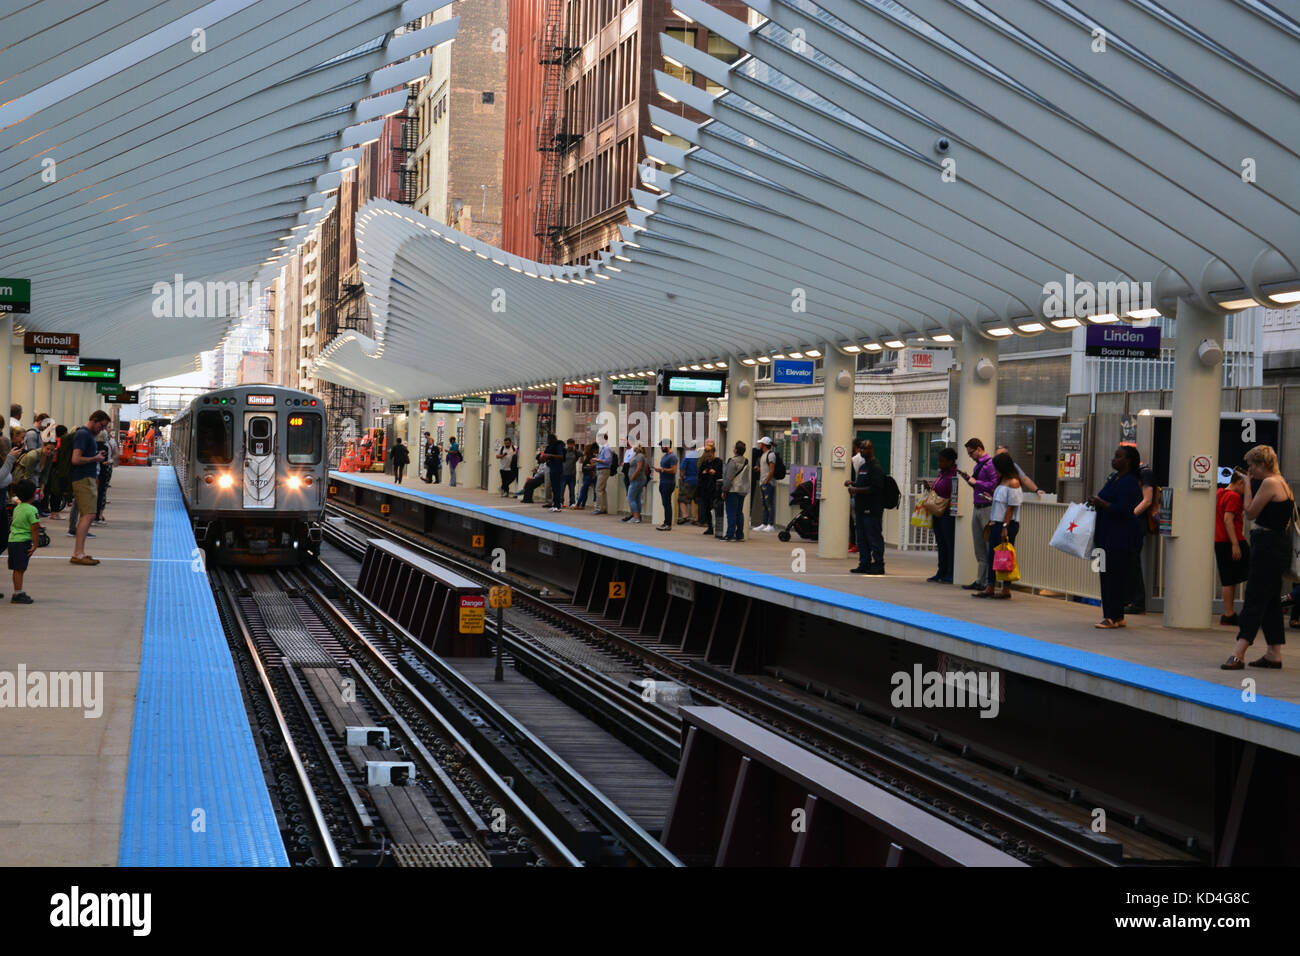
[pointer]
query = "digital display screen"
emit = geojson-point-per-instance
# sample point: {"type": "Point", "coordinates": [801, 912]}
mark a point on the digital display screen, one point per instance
{"type": "Point", "coordinates": [296, 421]}
{"type": "Point", "coordinates": [448, 407]}
{"type": "Point", "coordinates": [91, 370]}
{"type": "Point", "coordinates": [261, 399]}
{"type": "Point", "coordinates": [696, 386]}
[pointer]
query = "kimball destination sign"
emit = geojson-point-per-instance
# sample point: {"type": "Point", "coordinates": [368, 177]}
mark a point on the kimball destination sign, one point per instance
{"type": "Point", "coordinates": [1123, 341]}
{"type": "Point", "coordinates": [51, 343]}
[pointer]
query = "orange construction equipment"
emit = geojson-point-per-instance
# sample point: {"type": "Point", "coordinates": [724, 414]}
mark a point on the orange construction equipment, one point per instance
{"type": "Point", "coordinates": [137, 442]}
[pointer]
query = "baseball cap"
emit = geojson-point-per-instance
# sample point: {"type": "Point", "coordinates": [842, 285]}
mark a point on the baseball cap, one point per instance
{"type": "Point", "coordinates": [665, 443]}
{"type": "Point", "coordinates": [691, 443]}
{"type": "Point", "coordinates": [765, 440]}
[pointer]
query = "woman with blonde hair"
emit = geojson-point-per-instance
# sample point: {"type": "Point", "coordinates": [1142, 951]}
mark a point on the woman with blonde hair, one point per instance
{"type": "Point", "coordinates": [1268, 501]}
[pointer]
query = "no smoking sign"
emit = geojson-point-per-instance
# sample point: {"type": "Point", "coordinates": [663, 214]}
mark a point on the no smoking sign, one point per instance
{"type": "Point", "coordinates": [1202, 468]}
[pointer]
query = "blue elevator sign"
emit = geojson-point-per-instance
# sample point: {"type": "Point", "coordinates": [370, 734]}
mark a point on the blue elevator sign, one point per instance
{"type": "Point", "coordinates": [785, 372]}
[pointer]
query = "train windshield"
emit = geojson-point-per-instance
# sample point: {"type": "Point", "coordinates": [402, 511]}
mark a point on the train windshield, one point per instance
{"type": "Point", "coordinates": [303, 444]}
{"type": "Point", "coordinates": [214, 438]}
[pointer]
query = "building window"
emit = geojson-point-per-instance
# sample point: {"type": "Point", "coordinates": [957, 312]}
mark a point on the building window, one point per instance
{"type": "Point", "coordinates": [683, 73]}
{"type": "Point", "coordinates": [724, 50]}
{"type": "Point", "coordinates": [929, 442]}
{"type": "Point", "coordinates": [489, 98]}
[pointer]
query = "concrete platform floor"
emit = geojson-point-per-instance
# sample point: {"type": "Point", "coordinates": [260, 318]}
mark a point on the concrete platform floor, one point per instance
{"type": "Point", "coordinates": [1186, 651]}
{"type": "Point", "coordinates": [62, 773]}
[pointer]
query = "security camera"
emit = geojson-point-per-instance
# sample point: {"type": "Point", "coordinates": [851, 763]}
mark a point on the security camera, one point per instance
{"type": "Point", "coordinates": [941, 145]}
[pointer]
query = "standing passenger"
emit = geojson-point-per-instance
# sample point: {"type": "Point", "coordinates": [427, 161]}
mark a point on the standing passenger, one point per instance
{"type": "Point", "coordinates": [587, 466]}
{"type": "Point", "coordinates": [86, 457]}
{"type": "Point", "coordinates": [1003, 520]}
{"type": "Point", "coordinates": [1270, 504]}
{"type": "Point", "coordinates": [735, 484]}
{"type": "Point", "coordinates": [507, 464]}
{"type": "Point", "coordinates": [604, 468]}
{"type": "Point", "coordinates": [636, 479]}
{"type": "Point", "coordinates": [767, 484]}
{"type": "Point", "coordinates": [401, 458]}
{"type": "Point", "coordinates": [667, 469]}
{"type": "Point", "coordinates": [1119, 534]}
{"type": "Point", "coordinates": [1231, 553]}
{"type": "Point", "coordinates": [453, 459]}
{"type": "Point", "coordinates": [869, 512]}
{"type": "Point", "coordinates": [555, 457]}
{"type": "Point", "coordinates": [689, 488]}
{"type": "Point", "coordinates": [708, 488]}
{"type": "Point", "coordinates": [982, 481]}
{"type": "Point", "coordinates": [945, 523]}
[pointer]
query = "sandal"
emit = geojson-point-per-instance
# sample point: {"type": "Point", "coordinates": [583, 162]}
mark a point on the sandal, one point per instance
{"type": "Point", "coordinates": [1265, 662]}
{"type": "Point", "coordinates": [1107, 624]}
{"type": "Point", "coordinates": [1233, 663]}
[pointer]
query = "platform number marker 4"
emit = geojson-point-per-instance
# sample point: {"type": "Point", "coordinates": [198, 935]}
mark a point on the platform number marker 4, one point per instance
{"type": "Point", "coordinates": [334, 490]}
{"type": "Point", "coordinates": [385, 509]}
{"type": "Point", "coordinates": [478, 540]}
{"type": "Point", "coordinates": [617, 590]}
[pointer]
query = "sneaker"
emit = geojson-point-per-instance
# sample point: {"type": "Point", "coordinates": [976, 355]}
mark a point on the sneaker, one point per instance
{"type": "Point", "coordinates": [72, 534]}
{"type": "Point", "coordinates": [853, 549]}
{"type": "Point", "coordinates": [1230, 619]}
{"type": "Point", "coordinates": [858, 570]}
{"type": "Point", "coordinates": [934, 579]}
{"type": "Point", "coordinates": [664, 527]}
{"type": "Point", "coordinates": [628, 518]}
{"type": "Point", "coordinates": [708, 531]}
{"type": "Point", "coordinates": [89, 534]}
{"type": "Point", "coordinates": [636, 520]}
{"type": "Point", "coordinates": [759, 527]}
{"type": "Point", "coordinates": [21, 598]}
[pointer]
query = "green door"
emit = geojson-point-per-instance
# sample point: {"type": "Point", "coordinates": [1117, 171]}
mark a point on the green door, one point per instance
{"type": "Point", "coordinates": [880, 442]}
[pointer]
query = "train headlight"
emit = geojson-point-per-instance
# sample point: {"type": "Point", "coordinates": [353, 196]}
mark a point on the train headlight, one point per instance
{"type": "Point", "coordinates": [225, 481]}
{"type": "Point", "coordinates": [295, 482]}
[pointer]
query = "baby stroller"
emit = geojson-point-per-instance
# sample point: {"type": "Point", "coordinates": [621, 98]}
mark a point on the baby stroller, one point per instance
{"type": "Point", "coordinates": [804, 498]}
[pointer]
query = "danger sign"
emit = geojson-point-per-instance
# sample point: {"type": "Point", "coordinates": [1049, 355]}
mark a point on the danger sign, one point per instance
{"type": "Point", "coordinates": [473, 610]}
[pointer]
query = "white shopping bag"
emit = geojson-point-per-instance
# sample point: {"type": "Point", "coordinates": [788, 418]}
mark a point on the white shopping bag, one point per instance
{"type": "Point", "coordinates": [1074, 534]}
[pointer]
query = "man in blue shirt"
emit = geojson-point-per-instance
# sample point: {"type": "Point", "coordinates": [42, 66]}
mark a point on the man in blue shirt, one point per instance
{"type": "Point", "coordinates": [667, 469]}
{"type": "Point", "coordinates": [690, 468]}
{"type": "Point", "coordinates": [604, 468]}
{"type": "Point", "coordinates": [84, 474]}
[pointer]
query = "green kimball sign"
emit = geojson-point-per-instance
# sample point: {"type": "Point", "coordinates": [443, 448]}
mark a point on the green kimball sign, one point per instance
{"type": "Point", "coordinates": [473, 400]}
{"type": "Point", "coordinates": [15, 295]}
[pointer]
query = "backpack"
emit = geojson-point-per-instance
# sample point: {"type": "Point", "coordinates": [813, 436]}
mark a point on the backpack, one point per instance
{"type": "Point", "coordinates": [889, 493]}
{"type": "Point", "coordinates": [778, 467]}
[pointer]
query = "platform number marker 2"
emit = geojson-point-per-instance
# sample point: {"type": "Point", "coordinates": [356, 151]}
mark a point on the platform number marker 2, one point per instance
{"type": "Point", "coordinates": [617, 590]}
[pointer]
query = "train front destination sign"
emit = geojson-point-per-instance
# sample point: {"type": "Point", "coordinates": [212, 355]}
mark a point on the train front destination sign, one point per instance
{"type": "Point", "coordinates": [92, 370]}
{"type": "Point", "coordinates": [52, 343]}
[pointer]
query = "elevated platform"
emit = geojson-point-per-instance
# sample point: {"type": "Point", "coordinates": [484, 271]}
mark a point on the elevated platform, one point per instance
{"type": "Point", "coordinates": [119, 782]}
{"type": "Point", "coordinates": [1168, 671]}
{"type": "Point", "coordinates": [1139, 721]}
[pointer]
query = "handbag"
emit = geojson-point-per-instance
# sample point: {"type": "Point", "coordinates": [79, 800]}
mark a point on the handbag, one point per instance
{"type": "Point", "coordinates": [1074, 533]}
{"type": "Point", "coordinates": [1004, 562]}
{"type": "Point", "coordinates": [934, 505]}
{"type": "Point", "coordinates": [921, 518]}
{"type": "Point", "coordinates": [1295, 541]}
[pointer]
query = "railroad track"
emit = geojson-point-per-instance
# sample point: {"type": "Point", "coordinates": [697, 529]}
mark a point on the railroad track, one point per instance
{"type": "Point", "coordinates": [1038, 828]}
{"type": "Point", "coordinates": [469, 791]}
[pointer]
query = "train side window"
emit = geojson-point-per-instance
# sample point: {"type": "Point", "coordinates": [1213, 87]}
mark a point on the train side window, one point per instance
{"type": "Point", "coordinates": [214, 438]}
{"type": "Point", "coordinates": [303, 444]}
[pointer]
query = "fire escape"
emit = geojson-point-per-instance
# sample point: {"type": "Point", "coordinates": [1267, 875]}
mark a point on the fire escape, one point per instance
{"type": "Point", "coordinates": [408, 187]}
{"type": "Point", "coordinates": [558, 129]}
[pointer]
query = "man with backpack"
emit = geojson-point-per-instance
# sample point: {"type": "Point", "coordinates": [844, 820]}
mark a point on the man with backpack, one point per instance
{"type": "Point", "coordinates": [771, 469]}
{"type": "Point", "coordinates": [869, 491]}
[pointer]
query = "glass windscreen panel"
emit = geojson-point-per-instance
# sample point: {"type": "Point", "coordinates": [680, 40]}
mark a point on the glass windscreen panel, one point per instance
{"type": "Point", "coordinates": [303, 439]}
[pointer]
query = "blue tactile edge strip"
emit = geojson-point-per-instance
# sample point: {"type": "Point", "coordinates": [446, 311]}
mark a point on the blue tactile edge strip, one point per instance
{"type": "Point", "coordinates": [1265, 710]}
{"type": "Point", "coordinates": [193, 763]}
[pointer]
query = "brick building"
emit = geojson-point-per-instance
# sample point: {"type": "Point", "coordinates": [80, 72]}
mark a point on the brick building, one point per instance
{"type": "Point", "coordinates": [596, 63]}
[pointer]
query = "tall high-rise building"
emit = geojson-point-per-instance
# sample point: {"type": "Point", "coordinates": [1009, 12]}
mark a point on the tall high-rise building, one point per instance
{"type": "Point", "coordinates": [593, 88]}
{"type": "Point", "coordinates": [459, 130]}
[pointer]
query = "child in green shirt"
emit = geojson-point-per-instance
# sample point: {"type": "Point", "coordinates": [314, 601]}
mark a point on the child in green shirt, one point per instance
{"type": "Point", "coordinates": [24, 533]}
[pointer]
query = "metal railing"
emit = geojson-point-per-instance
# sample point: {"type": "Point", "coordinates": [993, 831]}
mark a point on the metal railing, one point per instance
{"type": "Point", "coordinates": [910, 537]}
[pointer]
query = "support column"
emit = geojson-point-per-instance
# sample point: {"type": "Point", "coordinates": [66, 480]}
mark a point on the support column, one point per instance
{"type": "Point", "coordinates": [837, 434]}
{"type": "Point", "coordinates": [6, 377]}
{"type": "Point", "coordinates": [44, 394]}
{"type": "Point", "coordinates": [1189, 575]}
{"type": "Point", "coordinates": [58, 401]}
{"type": "Point", "coordinates": [22, 382]}
{"type": "Point", "coordinates": [741, 408]}
{"type": "Point", "coordinates": [978, 407]}
{"type": "Point", "coordinates": [563, 415]}
{"type": "Point", "coordinates": [471, 452]}
{"type": "Point", "coordinates": [665, 425]}
{"type": "Point", "coordinates": [527, 440]}
{"type": "Point", "coordinates": [496, 435]}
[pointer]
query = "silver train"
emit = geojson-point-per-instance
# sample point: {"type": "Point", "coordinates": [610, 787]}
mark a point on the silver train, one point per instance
{"type": "Point", "coordinates": [252, 465]}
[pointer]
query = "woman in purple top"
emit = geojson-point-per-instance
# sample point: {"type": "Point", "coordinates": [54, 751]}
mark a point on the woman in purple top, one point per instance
{"type": "Point", "coordinates": [945, 525]}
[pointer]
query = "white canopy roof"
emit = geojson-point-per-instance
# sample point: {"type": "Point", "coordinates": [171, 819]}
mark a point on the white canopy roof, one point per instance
{"type": "Point", "coordinates": [1095, 141]}
{"type": "Point", "coordinates": [140, 141]}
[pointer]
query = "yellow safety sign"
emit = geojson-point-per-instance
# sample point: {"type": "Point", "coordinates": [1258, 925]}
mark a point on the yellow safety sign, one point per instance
{"type": "Point", "coordinates": [499, 596]}
{"type": "Point", "coordinates": [478, 540]}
